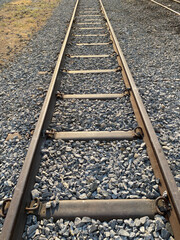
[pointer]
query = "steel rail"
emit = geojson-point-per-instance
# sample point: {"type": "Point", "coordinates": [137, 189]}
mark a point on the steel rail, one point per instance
{"type": "Point", "coordinates": [155, 152]}
{"type": "Point", "coordinates": [15, 220]}
{"type": "Point", "coordinates": [176, 1]}
{"type": "Point", "coordinates": [164, 6]}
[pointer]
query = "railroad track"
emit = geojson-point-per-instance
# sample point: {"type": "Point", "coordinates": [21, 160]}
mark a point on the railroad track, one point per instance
{"type": "Point", "coordinates": [90, 55]}
{"type": "Point", "coordinates": [170, 5]}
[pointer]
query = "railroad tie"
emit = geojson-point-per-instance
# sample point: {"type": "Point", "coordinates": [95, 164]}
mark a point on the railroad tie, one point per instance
{"type": "Point", "coordinates": [96, 135]}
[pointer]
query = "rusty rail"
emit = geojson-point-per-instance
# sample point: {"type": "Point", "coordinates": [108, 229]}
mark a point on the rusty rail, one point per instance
{"type": "Point", "coordinates": [166, 7]}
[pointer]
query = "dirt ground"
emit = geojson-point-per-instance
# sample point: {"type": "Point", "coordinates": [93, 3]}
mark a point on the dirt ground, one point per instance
{"type": "Point", "coordinates": [19, 20]}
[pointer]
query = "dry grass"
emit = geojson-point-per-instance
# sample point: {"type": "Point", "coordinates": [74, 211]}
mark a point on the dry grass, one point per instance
{"type": "Point", "coordinates": [19, 20]}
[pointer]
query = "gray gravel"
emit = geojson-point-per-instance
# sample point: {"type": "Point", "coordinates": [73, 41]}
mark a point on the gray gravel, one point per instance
{"type": "Point", "coordinates": [86, 63]}
{"type": "Point", "coordinates": [149, 37]}
{"type": "Point", "coordinates": [92, 83]}
{"type": "Point", "coordinates": [95, 169]}
{"type": "Point", "coordinates": [87, 228]}
{"type": "Point", "coordinates": [23, 87]}
{"type": "Point", "coordinates": [85, 39]}
{"type": "Point", "coordinates": [90, 50]}
{"type": "Point", "coordinates": [93, 115]}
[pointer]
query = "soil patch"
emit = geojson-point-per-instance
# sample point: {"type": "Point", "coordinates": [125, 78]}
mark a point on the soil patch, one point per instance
{"type": "Point", "coordinates": [19, 20]}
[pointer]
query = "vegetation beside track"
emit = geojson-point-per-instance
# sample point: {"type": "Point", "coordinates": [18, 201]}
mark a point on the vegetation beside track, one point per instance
{"type": "Point", "coordinates": [19, 20]}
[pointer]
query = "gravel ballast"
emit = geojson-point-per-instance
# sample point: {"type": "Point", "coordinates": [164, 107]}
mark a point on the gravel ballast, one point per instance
{"type": "Point", "coordinates": [87, 64]}
{"type": "Point", "coordinates": [93, 115]}
{"type": "Point", "coordinates": [92, 83]}
{"type": "Point", "coordinates": [87, 228]}
{"type": "Point", "coordinates": [95, 169]}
